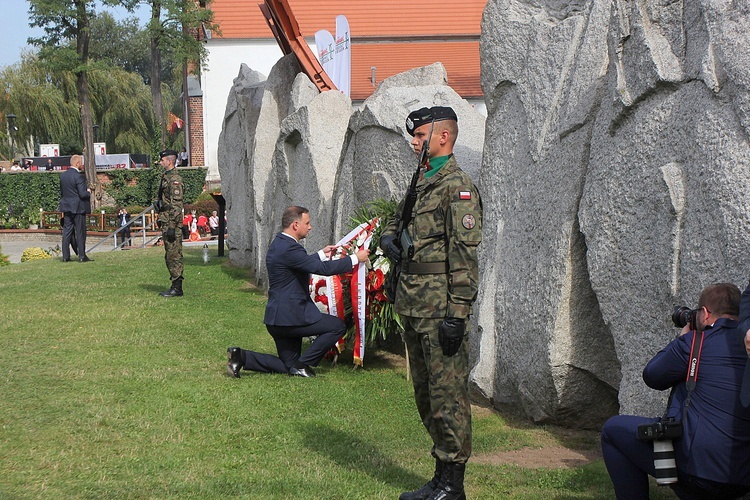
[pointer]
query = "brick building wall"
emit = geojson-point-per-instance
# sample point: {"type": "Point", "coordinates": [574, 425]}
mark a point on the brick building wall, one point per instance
{"type": "Point", "coordinates": [195, 113]}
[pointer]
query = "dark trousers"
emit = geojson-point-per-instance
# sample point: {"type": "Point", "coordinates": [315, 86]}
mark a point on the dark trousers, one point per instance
{"type": "Point", "coordinates": [630, 461]}
{"type": "Point", "coordinates": [74, 224]}
{"type": "Point", "coordinates": [125, 235]}
{"type": "Point", "coordinates": [329, 329]}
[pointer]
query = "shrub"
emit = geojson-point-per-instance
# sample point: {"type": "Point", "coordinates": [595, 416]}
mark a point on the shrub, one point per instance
{"type": "Point", "coordinates": [3, 259]}
{"type": "Point", "coordinates": [204, 207]}
{"type": "Point", "coordinates": [34, 253]}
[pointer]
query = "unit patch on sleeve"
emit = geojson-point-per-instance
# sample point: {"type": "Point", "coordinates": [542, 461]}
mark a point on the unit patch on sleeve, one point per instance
{"type": "Point", "coordinates": [468, 221]}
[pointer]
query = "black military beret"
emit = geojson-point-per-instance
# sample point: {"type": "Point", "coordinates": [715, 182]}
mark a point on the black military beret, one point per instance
{"type": "Point", "coordinates": [168, 152]}
{"type": "Point", "coordinates": [426, 115]}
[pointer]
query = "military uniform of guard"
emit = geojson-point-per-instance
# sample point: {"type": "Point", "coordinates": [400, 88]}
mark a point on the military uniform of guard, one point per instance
{"type": "Point", "coordinates": [169, 206]}
{"type": "Point", "coordinates": [434, 296]}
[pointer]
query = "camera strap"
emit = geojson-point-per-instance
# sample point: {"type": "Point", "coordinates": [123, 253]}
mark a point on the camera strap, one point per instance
{"type": "Point", "coordinates": [692, 375]}
{"type": "Point", "coordinates": [692, 372]}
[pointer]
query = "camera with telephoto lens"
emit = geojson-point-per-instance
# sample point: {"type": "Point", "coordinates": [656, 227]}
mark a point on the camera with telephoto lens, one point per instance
{"type": "Point", "coordinates": [662, 433]}
{"type": "Point", "coordinates": [664, 429]}
{"type": "Point", "coordinates": [682, 316]}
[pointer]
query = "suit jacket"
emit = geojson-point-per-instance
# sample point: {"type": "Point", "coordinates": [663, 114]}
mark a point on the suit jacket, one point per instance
{"type": "Point", "coordinates": [289, 268]}
{"type": "Point", "coordinates": [744, 318]}
{"type": "Point", "coordinates": [74, 197]}
{"type": "Point", "coordinates": [716, 429]}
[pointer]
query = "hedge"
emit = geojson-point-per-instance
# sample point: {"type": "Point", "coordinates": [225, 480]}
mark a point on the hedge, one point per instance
{"type": "Point", "coordinates": [31, 190]}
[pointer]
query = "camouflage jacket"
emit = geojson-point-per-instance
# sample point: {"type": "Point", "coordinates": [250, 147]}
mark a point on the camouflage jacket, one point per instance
{"type": "Point", "coordinates": [171, 191]}
{"type": "Point", "coordinates": [446, 226]}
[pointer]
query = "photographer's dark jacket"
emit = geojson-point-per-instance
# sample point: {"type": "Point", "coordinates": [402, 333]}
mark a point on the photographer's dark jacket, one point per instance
{"type": "Point", "coordinates": [715, 441]}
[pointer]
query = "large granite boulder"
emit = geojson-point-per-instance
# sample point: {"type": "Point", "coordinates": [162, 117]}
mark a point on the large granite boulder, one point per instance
{"type": "Point", "coordinates": [377, 160]}
{"type": "Point", "coordinates": [612, 192]}
{"type": "Point", "coordinates": [235, 154]}
{"type": "Point", "coordinates": [283, 142]}
{"type": "Point", "coordinates": [306, 158]}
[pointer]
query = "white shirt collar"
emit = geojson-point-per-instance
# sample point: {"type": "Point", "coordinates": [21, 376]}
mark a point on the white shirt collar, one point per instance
{"type": "Point", "coordinates": [290, 236]}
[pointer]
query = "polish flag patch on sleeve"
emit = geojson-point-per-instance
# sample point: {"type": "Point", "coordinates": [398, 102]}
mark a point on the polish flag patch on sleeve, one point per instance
{"type": "Point", "coordinates": [464, 195]}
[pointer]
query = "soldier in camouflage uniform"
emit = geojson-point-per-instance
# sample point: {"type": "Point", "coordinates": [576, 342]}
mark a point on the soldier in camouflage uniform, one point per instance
{"type": "Point", "coordinates": [169, 206]}
{"type": "Point", "coordinates": [434, 297]}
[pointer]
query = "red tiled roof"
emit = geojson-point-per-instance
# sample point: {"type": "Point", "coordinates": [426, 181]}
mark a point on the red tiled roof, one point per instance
{"type": "Point", "coordinates": [461, 61]}
{"type": "Point", "coordinates": [388, 18]}
{"type": "Point", "coordinates": [391, 35]}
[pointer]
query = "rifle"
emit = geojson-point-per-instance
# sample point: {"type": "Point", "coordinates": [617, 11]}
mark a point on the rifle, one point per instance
{"type": "Point", "coordinates": [403, 238]}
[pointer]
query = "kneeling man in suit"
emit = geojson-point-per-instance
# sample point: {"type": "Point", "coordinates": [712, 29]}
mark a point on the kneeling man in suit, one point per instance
{"type": "Point", "coordinates": [291, 314]}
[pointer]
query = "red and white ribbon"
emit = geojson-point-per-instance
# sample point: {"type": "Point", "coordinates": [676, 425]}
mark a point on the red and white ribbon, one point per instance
{"type": "Point", "coordinates": [357, 239]}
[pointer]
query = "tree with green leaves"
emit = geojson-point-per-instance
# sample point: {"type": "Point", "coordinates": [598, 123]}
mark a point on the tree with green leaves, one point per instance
{"type": "Point", "coordinates": [64, 21]}
{"type": "Point", "coordinates": [47, 106]}
{"type": "Point", "coordinates": [175, 26]}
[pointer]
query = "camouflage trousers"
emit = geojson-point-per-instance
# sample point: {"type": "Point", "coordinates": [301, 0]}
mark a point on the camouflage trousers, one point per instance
{"type": "Point", "coordinates": [173, 255]}
{"type": "Point", "coordinates": [441, 389]}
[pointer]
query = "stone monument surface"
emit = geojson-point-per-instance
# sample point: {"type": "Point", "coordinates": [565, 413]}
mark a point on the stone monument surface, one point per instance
{"type": "Point", "coordinates": [614, 174]}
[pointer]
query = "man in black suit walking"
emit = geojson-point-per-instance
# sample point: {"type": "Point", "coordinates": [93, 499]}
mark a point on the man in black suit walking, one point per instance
{"type": "Point", "coordinates": [291, 314]}
{"type": "Point", "coordinates": [75, 204]}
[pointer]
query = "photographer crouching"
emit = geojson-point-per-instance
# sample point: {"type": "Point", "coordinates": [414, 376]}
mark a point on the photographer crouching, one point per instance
{"type": "Point", "coordinates": [701, 446]}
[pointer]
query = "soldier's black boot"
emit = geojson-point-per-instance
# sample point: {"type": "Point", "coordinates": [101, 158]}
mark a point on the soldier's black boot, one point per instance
{"type": "Point", "coordinates": [451, 485]}
{"type": "Point", "coordinates": [175, 291]}
{"type": "Point", "coordinates": [426, 490]}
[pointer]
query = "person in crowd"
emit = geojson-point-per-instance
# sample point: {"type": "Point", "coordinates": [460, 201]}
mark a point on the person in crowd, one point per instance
{"type": "Point", "coordinates": [75, 203]}
{"type": "Point", "coordinates": [50, 167]}
{"type": "Point", "coordinates": [15, 167]}
{"type": "Point", "coordinates": [123, 217]}
{"type": "Point", "coordinates": [184, 159]}
{"type": "Point", "coordinates": [202, 225]}
{"type": "Point", "coordinates": [435, 293]}
{"type": "Point", "coordinates": [169, 205]}
{"type": "Point", "coordinates": [711, 450]}
{"type": "Point", "coordinates": [213, 224]}
{"type": "Point", "coordinates": [187, 221]}
{"type": "Point", "coordinates": [290, 313]}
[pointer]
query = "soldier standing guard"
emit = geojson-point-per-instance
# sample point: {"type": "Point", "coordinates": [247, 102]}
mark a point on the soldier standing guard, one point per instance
{"type": "Point", "coordinates": [169, 206]}
{"type": "Point", "coordinates": [435, 293]}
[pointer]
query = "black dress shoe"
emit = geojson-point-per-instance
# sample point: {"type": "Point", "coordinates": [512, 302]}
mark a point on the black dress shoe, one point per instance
{"type": "Point", "coordinates": [66, 260]}
{"type": "Point", "coordinates": [305, 371]}
{"type": "Point", "coordinates": [85, 258]}
{"type": "Point", "coordinates": [235, 362]}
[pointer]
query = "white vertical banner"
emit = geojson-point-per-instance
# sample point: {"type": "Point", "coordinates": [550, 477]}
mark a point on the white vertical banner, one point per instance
{"type": "Point", "coordinates": [326, 51]}
{"type": "Point", "coordinates": [342, 69]}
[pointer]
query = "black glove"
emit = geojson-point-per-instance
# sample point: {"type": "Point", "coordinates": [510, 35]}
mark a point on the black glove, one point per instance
{"type": "Point", "coordinates": [170, 235]}
{"type": "Point", "coordinates": [388, 244]}
{"type": "Point", "coordinates": [158, 205]}
{"type": "Point", "coordinates": [451, 334]}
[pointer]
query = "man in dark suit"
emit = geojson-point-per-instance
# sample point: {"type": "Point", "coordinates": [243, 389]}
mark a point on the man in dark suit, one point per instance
{"type": "Point", "coordinates": [75, 204]}
{"type": "Point", "coordinates": [291, 314]}
{"type": "Point", "coordinates": [711, 454]}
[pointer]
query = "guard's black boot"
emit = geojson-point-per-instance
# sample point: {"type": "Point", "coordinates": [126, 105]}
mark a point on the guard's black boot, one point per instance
{"type": "Point", "coordinates": [426, 490]}
{"type": "Point", "coordinates": [451, 485]}
{"type": "Point", "coordinates": [175, 291]}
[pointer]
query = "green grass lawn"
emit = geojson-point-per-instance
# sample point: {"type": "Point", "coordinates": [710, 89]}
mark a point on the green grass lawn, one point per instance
{"type": "Point", "coordinates": [109, 390]}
